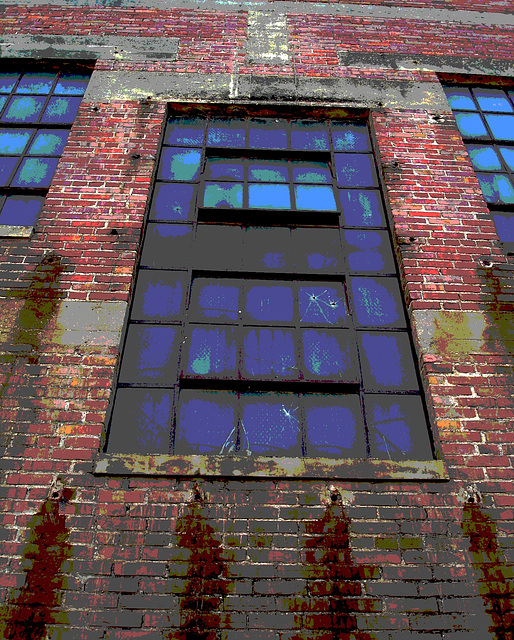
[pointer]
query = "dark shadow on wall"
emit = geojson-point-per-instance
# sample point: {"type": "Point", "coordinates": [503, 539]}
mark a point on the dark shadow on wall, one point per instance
{"type": "Point", "coordinates": [494, 575]}
{"type": "Point", "coordinates": [34, 606]}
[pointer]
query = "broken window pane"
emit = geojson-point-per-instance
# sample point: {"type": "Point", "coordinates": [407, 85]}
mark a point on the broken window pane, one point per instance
{"type": "Point", "coordinates": [322, 304]}
{"type": "Point", "coordinates": [173, 202]}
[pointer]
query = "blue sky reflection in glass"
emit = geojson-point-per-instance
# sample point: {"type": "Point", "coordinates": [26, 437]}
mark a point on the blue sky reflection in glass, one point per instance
{"type": "Point", "coordinates": [214, 301]}
{"type": "Point", "coordinates": [484, 157]}
{"type": "Point", "coordinates": [158, 296]}
{"type": "Point", "coordinates": [268, 171]}
{"type": "Point", "coordinates": [460, 98]}
{"type": "Point", "coordinates": [492, 100]}
{"type": "Point", "coordinates": [21, 210]}
{"type": "Point", "coordinates": [262, 136]}
{"type": "Point", "coordinates": [271, 423]}
{"type": "Point", "coordinates": [355, 170]}
{"type": "Point", "coordinates": [311, 172]}
{"type": "Point", "coordinates": [471, 125]}
{"type": "Point", "coordinates": [188, 132]}
{"type": "Point", "coordinates": [269, 351]}
{"type": "Point", "coordinates": [35, 172]}
{"type": "Point", "coordinates": [14, 141]}
{"type": "Point", "coordinates": [36, 83]}
{"type": "Point", "coordinates": [71, 84]}
{"type": "Point", "coordinates": [387, 362]}
{"type": "Point", "coordinates": [362, 208]}
{"type": "Point", "coordinates": [322, 304]}
{"type": "Point", "coordinates": [7, 82]}
{"type": "Point", "coordinates": [504, 226]}
{"type": "Point", "coordinates": [311, 197]}
{"type": "Point", "coordinates": [61, 110]}
{"type": "Point", "coordinates": [150, 355]}
{"type": "Point", "coordinates": [508, 156]}
{"type": "Point", "coordinates": [497, 188]}
{"type": "Point", "coordinates": [226, 133]}
{"type": "Point", "coordinates": [212, 352]}
{"type": "Point", "coordinates": [179, 164]}
{"type": "Point", "coordinates": [173, 202]}
{"type": "Point", "coordinates": [269, 196]}
{"type": "Point", "coordinates": [329, 355]}
{"type": "Point", "coordinates": [23, 109]}
{"type": "Point", "coordinates": [377, 302]}
{"type": "Point", "coordinates": [6, 168]}
{"type": "Point", "coordinates": [49, 143]}
{"type": "Point", "coordinates": [502, 126]}
{"type": "Point", "coordinates": [350, 137]}
{"type": "Point", "coordinates": [269, 303]}
{"type": "Point", "coordinates": [221, 168]}
{"type": "Point", "coordinates": [225, 195]}
{"type": "Point", "coordinates": [309, 136]}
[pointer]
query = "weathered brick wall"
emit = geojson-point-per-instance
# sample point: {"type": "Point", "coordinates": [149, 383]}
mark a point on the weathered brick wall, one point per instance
{"type": "Point", "coordinates": [94, 557]}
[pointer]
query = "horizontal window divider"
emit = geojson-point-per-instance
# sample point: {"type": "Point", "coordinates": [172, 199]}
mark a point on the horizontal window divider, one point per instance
{"type": "Point", "coordinates": [270, 217]}
{"type": "Point", "coordinates": [271, 276]}
{"type": "Point", "coordinates": [246, 153]}
{"type": "Point", "coordinates": [263, 386]}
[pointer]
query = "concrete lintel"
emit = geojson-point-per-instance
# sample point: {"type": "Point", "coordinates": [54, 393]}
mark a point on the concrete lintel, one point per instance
{"type": "Point", "coordinates": [15, 231]}
{"type": "Point", "coordinates": [79, 322]}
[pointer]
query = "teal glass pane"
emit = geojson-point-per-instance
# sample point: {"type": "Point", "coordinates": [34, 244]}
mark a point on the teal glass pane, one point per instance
{"type": "Point", "coordinates": [49, 143]}
{"type": "Point", "coordinates": [397, 428]}
{"type": "Point", "coordinates": [61, 110]}
{"type": "Point", "coordinates": [268, 134]}
{"type": "Point", "coordinates": [307, 135]}
{"type": "Point", "coordinates": [269, 196]}
{"type": "Point", "coordinates": [362, 208]}
{"type": "Point", "coordinates": [150, 355]}
{"type": "Point", "coordinates": [7, 81]}
{"type": "Point", "coordinates": [223, 169]}
{"type": "Point", "coordinates": [173, 202]}
{"type": "Point", "coordinates": [355, 170]}
{"type": "Point", "coordinates": [386, 361]}
{"type": "Point", "coordinates": [223, 194]}
{"type": "Point", "coordinates": [23, 109]}
{"type": "Point", "coordinates": [167, 246]}
{"type": "Point", "coordinates": [484, 157]}
{"type": "Point", "coordinates": [369, 251]}
{"type": "Point", "coordinates": [226, 133]}
{"type": "Point", "coordinates": [471, 125]}
{"type": "Point", "coordinates": [3, 100]}
{"type": "Point", "coordinates": [493, 100]}
{"type": "Point", "coordinates": [158, 296]}
{"type": "Point", "coordinates": [268, 171]}
{"type": "Point", "coordinates": [141, 421]}
{"type": "Point", "coordinates": [350, 137]}
{"type": "Point", "coordinates": [179, 164]}
{"type": "Point", "coordinates": [377, 302]}
{"type": "Point", "coordinates": [36, 83]}
{"type": "Point", "coordinates": [21, 210]}
{"type": "Point", "coordinates": [14, 141]}
{"type": "Point", "coordinates": [7, 166]}
{"type": "Point", "coordinates": [206, 422]}
{"type": "Point", "coordinates": [504, 226]}
{"type": "Point", "coordinates": [35, 172]}
{"type": "Point", "coordinates": [317, 172]}
{"type": "Point", "coordinates": [312, 197]}
{"type": "Point", "coordinates": [212, 352]}
{"type": "Point", "coordinates": [322, 304]}
{"type": "Point", "coordinates": [502, 127]}
{"type": "Point", "coordinates": [214, 301]}
{"type": "Point", "coordinates": [496, 188]}
{"type": "Point", "coordinates": [508, 156]}
{"type": "Point", "coordinates": [71, 84]}
{"type": "Point", "coordinates": [269, 353]}
{"type": "Point", "coordinates": [460, 99]}
{"type": "Point", "coordinates": [271, 424]}
{"type": "Point", "coordinates": [185, 132]}
{"type": "Point", "coordinates": [269, 303]}
{"type": "Point", "coordinates": [329, 355]}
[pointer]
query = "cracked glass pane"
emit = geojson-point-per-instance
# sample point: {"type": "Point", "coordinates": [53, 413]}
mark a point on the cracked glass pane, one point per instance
{"type": "Point", "coordinates": [185, 132]}
{"type": "Point", "coordinates": [484, 157]}
{"type": "Point", "coordinates": [310, 197]}
{"type": "Point", "coordinates": [150, 355]}
{"type": "Point", "coordinates": [226, 133]}
{"type": "Point", "coordinates": [268, 171]}
{"type": "Point", "coordinates": [49, 143]}
{"type": "Point", "coordinates": [221, 168]}
{"type": "Point", "coordinates": [61, 110]}
{"type": "Point", "coordinates": [36, 83]}
{"type": "Point", "coordinates": [23, 109]}
{"type": "Point", "coordinates": [173, 202]}
{"type": "Point", "coordinates": [493, 100]}
{"type": "Point", "coordinates": [362, 208]}
{"type": "Point", "coordinates": [167, 246]}
{"type": "Point", "coordinates": [387, 362]}
{"type": "Point", "coordinates": [35, 172]}
{"type": "Point", "coordinates": [224, 195]}
{"type": "Point", "coordinates": [471, 125]}
{"type": "Point", "coordinates": [214, 300]}
{"type": "Point", "coordinates": [377, 302]}
{"type": "Point", "coordinates": [264, 136]}
{"type": "Point", "coordinates": [369, 251]}
{"type": "Point", "coordinates": [212, 352]}
{"type": "Point", "coordinates": [308, 135]}
{"type": "Point", "coordinates": [322, 304]}
{"type": "Point", "coordinates": [269, 196]}
{"type": "Point", "coordinates": [329, 355]}
{"type": "Point", "coordinates": [460, 99]}
{"type": "Point", "coordinates": [179, 164]}
{"type": "Point", "coordinates": [71, 84]}
{"type": "Point", "coordinates": [350, 137]}
{"type": "Point", "coordinates": [14, 141]}
{"type": "Point", "coordinates": [269, 303]}
{"type": "Point", "coordinates": [502, 127]}
{"type": "Point", "coordinates": [159, 296]}
{"type": "Point", "coordinates": [355, 170]}
{"type": "Point", "coordinates": [21, 210]}
{"type": "Point", "coordinates": [269, 353]}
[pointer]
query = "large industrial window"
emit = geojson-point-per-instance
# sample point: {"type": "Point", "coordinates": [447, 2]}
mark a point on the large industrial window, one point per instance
{"type": "Point", "coordinates": [267, 317]}
{"type": "Point", "coordinates": [37, 109]}
{"type": "Point", "coordinates": [485, 118]}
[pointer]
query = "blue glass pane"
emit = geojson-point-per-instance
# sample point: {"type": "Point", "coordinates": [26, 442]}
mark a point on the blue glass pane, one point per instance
{"type": "Point", "coordinates": [310, 197]}
{"type": "Point", "coordinates": [6, 169]}
{"type": "Point", "coordinates": [23, 109]}
{"type": "Point", "coordinates": [221, 168]}
{"type": "Point", "coordinates": [206, 422]}
{"type": "Point", "coordinates": [14, 141]}
{"type": "Point", "coordinates": [269, 196]}
{"type": "Point", "coordinates": [496, 188]}
{"type": "Point", "coordinates": [150, 355]}
{"type": "Point", "coordinates": [323, 304]}
{"type": "Point", "coordinates": [460, 99]}
{"type": "Point", "coordinates": [268, 134]}
{"type": "Point", "coordinates": [226, 133]}
{"type": "Point", "coordinates": [271, 424]}
{"type": "Point", "coordinates": [504, 227]}
{"type": "Point", "coordinates": [7, 82]}
{"type": "Point", "coordinates": [369, 251]}
{"type": "Point", "coordinates": [311, 172]}
{"type": "Point", "coordinates": [141, 421]}
{"type": "Point", "coordinates": [179, 164]}
{"type": "Point", "coordinates": [308, 135]}
{"type": "Point", "coordinates": [484, 157]}
{"type": "Point", "coordinates": [350, 137]}
{"type": "Point", "coordinates": [267, 249]}
{"type": "Point", "coordinates": [508, 156]}
{"type": "Point", "coordinates": [471, 125]}
{"type": "Point", "coordinates": [502, 127]}
{"type": "Point", "coordinates": [49, 143]}
{"type": "Point", "coordinates": [35, 172]}
{"type": "Point", "coordinates": [212, 352]}
{"type": "Point", "coordinates": [173, 202]}
{"type": "Point", "coordinates": [329, 355]}
{"type": "Point", "coordinates": [362, 208]}
{"type": "Point", "coordinates": [61, 110]}
{"type": "Point", "coordinates": [377, 301]}
{"type": "Point", "coordinates": [397, 428]}
{"type": "Point", "coordinates": [167, 246]}
{"type": "Point", "coordinates": [21, 210]}
{"type": "Point", "coordinates": [3, 100]}
{"type": "Point", "coordinates": [71, 84]}
{"type": "Point", "coordinates": [158, 296]}
{"type": "Point", "coordinates": [269, 303]}
{"type": "Point", "coordinates": [210, 248]}
{"type": "Point", "coordinates": [223, 195]}
{"type": "Point", "coordinates": [493, 100]}
{"type": "Point", "coordinates": [268, 171]}
{"type": "Point", "coordinates": [188, 132]}
{"type": "Point", "coordinates": [38, 83]}
{"type": "Point", "coordinates": [355, 170]}
{"type": "Point", "coordinates": [334, 426]}
{"type": "Point", "coordinates": [214, 301]}
{"type": "Point", "coordinates": [269, 353]}
{"type": "Point", "coordinates": [387, 362]}
{"type": "Point", "coordinates": [317, 250]}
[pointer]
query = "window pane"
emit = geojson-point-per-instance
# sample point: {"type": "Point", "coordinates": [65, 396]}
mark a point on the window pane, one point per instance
{"type": "Point", "coordinates": [317, 250]}
{"type": "Point", "coordinates": [496, 188]}
{"type": "Point", "coordinates": [334, 425]}
{"type": "Point", "coordinates": [7, 166]}
{"type": "Point", "coordinates": [36, 83]}
{"type": "Point", "coordinates": [214, 301]}
{"type": "Point", "coordinates": [311, 197]}
{"type": "Point", "coordinates": [150, 355]}
{"type": "Point", "coordinates": [508, 156]}
{"type": "Point", "coordinates": [14, 141]}
{"type": "Point", "coordinates": [21, 210]}
{"type": "Point", "coordinates": [173, 202]}
{"type": "Point", "coordinates": [226, 133]}
{"type": "Point", "coordinates": [264, 136]}
{"type": "Point", "coordinates": [269, 196]}
{"type": "Point", "coordinates": [269, 353]}
{"type": "Point", "coordinates": [61, 110]}
{"type": "Point", "coordinates": [141, 421]}
{"type": "Point", "coordinates": [369, 251]}
{"type": "Point", "coordinates": [309, 136]}
{"type": "Point", "coordinates": [221, 168]}
{"type": "Point", "coordinates": [471, 125]}
{"type": "Point", "coordinates": [179, 164]}
{"type": "Point", "coordinates": [269, 303]}
{"type": "Point", "coordinates": [493, 100]}
{"type": "Point", "coordinates": [502, 127]}
{"type": "Point", "coordinates": [484, 157]}
{"type": "Point", "coordinates": [35, 172]}
{"type": "Point", "coordinates": [350, 137]}
{"type": "Point", "coordinates": [397, 428]}
{"type": "Point", "coordinates": [212, 352]}
{"type": "Point", "coordinates": [329, 355]}
{"type": "Point", "coordinates": [355, 170]}
{"type": "Point", "coordinates": [49, 143]}
{"type": "Point", "coordinates": [504, 227]}
{"type": "Point", "coordinates": [210, 248]}
{"type": "Point", "coordinates": [7, 82]}
{"type": "Point", "coordinates": [322, 304]}
{"type": "Point", "coordinates": [460, 98]}
{"type": "Point", "coordinates": [377, 301]}
{"type": "Point", "coordinates": [268, 171]}
{"type": "Point", "coordinates": [311, 172]}
{"type": "Point", "coordinates": [167, 246]}
{"type": "Point", "coordinates": [23, 109]}
{"type": "Point", "coordinates": [223, 195]}
{"type": "Point", "coordinates": [71, 84]}
{"type": "Point", "coordinates": [188, 132]}
{"type": "Point", "coordinates": [387, 362]}
{"type": "Point", "coordinates": [267, 249]}
{"type": "Point", "coordinates": [362, 208]}
{"type": "Point", "coordinates": [158, 296]}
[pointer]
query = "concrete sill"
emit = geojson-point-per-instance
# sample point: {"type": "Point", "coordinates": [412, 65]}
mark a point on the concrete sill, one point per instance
{"type": "Point", "coordinates": [266, 467]}
{"type": "Point", "coordinates": [15, 231]}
